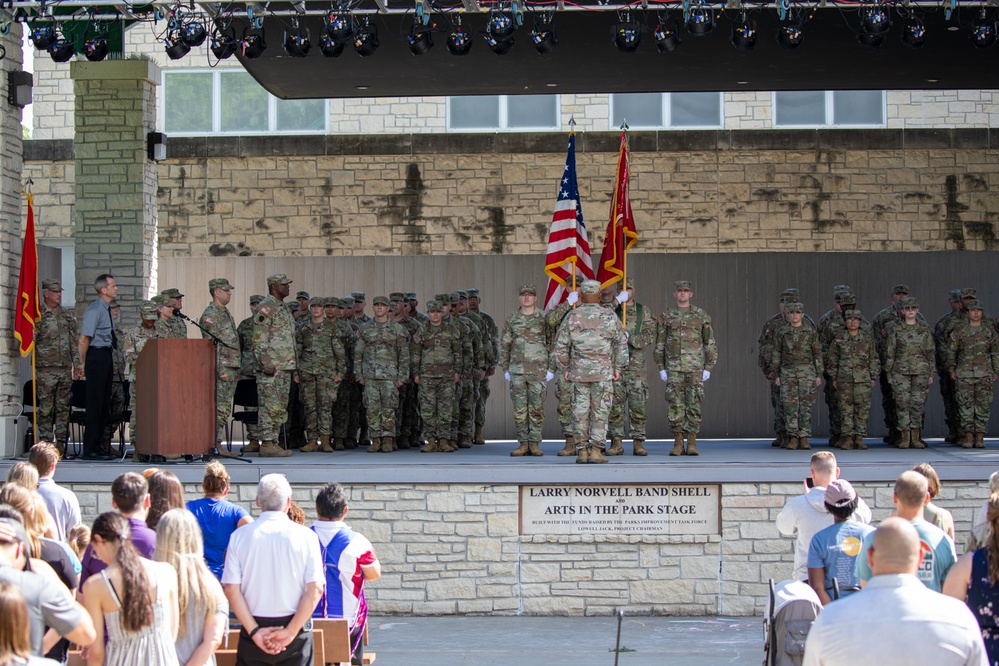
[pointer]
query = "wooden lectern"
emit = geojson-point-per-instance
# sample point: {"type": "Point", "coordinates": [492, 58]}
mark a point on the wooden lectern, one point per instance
{"type": "Point", "coordinates": [175, 397]}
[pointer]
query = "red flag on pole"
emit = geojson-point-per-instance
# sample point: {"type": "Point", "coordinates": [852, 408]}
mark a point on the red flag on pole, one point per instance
{"type": "Point", "coordinates": [621, 232]}
{"type": "Point", "coordinates": [27, 312]}
{"type": "Point", "coordinates": [568, 244]}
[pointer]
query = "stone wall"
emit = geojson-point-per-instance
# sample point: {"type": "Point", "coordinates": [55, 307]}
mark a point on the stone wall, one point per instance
{"type": "Point", "coordinates": [455, 549]}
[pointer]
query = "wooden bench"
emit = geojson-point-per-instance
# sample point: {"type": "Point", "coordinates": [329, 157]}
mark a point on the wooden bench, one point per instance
{"type": "Point", "coordinates": [330, 638]}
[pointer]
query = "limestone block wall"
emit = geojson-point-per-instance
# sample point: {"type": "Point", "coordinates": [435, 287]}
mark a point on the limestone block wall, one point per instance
{"type": "Point", "coordinates": [455, 549]}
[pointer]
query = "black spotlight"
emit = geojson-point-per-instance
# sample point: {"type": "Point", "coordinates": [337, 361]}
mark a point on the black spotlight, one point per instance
{"type": "Point", "coordinates": [44, 37]}
{"type": "Point", "coordinates": [61, 50]}
{"type": "Point", "coordinates": [790, 36]}
{"type": "Point", "coordinates": [339, 27]}
{"type": "Point", "coordinates": [501, 26]}
{"type": "Point", "coordinates": [499, 47]}
{"type": "Point", "coordinates": [700, 21]}
{"type": "Point", "coordinates": [667, 37]}
{"type": "Point", "coordinates": [223, 46]}
{"type": "Point", "coordinates": [459, 42]}
{"type": "Point", "coordinates": [744, 35]}
{"type": "Point", "coordinates": [96, 48]}
{"type": "Point", "coordinates": [420, 40]}
{"type": "Point", "coordinates": [875, 22]}
{"type": "Point", "coordinates": [330, 48]}
{"type": "Point", "coordinates": [297, 45]}
{"type": "Point", "coordinates": [366, 40]}
{"type": "Point", "coordinates": [544, 38]}
{"type": "Point", "coordinates": [176, 47]}
{"type": "Point", "coordinates": [193, 34]}
{"type": "Point", "coordinates": [914, 33]}
{"type": "Point", "coordinates": [627, 37]}
{"type": "Point", "coordinates": [983, 34]}
{"type": "Point", "coordinates": [254, 45]}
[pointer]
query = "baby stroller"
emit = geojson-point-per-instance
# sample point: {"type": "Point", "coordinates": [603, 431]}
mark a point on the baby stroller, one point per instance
{"type": "Point", "coordinates": [793, 607]}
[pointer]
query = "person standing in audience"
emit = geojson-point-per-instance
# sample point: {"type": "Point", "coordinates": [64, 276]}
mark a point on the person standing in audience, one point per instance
{"type": "Point", "coordinates": [217, 516]}
{"type": "Point", "coordinates": [833, 550]}
{"type": "Point", "coordinates": [165, 493]}
{"type": "Point", "coordinates": [130, 498]}
{"type": "Point", "coordinates": [934, 514]}
{"type": "Point", "coordinates": [63, 505]}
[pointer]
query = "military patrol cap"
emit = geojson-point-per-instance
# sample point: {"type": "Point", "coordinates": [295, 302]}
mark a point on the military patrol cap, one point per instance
{"type": "Point", "coordinates": [346, 301]}
{"type": "Point", "coordinates": [841, 287]}
{"type": "Point", "coordinates": [162, 301]}
{"type": "Point", "coordinates": [294, 306]}
{"type": "Point", "coordinates": [454, 298]}
{"type": "Point", "coordinates": [172, 293]}
{"type": "Point", "coordinates": [852, 314]}
{"type": "Point", "coordinates": [256, 298]}
{"type": "Point", "coordinates": [968, 292]}
{"type": "Point", "coordinates": [683, 284]}
{"type": "Point", "coordinates": [219, 283]}
{"type": "Point", "coordinates": [975, 304]}
{"type": "Point", "coordinates": [908, 302]}
{"type": "Point", "coordinates": [147, 310]}
{"type": "Point", "coordinates": [358, 296]}
{"type": "Point", "coordinates": [789, 296]}
{"type": "Point", "coordinates": [629, 283]}
{"type": "Point", "coordinates": [51, 285]}
{"type": "Point", "coordinates": [473, 292]}
{"type": "Point", "coordinates": [278, 278]}
{"type": "Point", "coordinates": [954, 295]}
{"type": "Point", "coordinates": [317, 300]}
{"type": "Point", "coordinates": [303, 294]}
{"type": "Point", "coordinates": [333, 301]}
{"type": "Point", "coordinates": [462, 294]}
{"type": "Point", "coordinates": [114, 303]}
{"type": "Point", "coordinates": [795, 307]}
{"type": "Point", "coordinates": [397, 297]}
{"type": "Point", "coordinates": [848, 298]}
{"type": "Point", "coordinates": [443, 298]}
{"type": "Point", "coordinates": [434, 306]}
{"type": "Point", "coordinates": [409, 296]}
{"type": "Point", "coordinates": [590, 287]}
{"type": "Point", "coordinates": [900, 289]}
{"type": "Point", "coordinates": [528, 289]}
{"type": "Point", "coordinates": [380, 300]}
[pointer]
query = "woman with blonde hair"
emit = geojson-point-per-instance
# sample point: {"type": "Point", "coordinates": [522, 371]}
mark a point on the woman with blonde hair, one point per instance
{"type": "Point", "coordinates": [15, 634]}
{"type": "Point", "coordinates": [45, 556]}
{"type": "Point", "coordinates": [934, 514]}
{"type": "Point", "coordinates": [24, 474]}
{"type": "Point", "coordinates": [134, 598]}
{"type": "Point", "coordinates": [203, 608]}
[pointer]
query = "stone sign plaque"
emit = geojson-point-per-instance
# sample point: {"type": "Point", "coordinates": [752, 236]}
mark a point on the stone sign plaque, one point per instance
{"type": "Point", "coordinates": [664, 509]}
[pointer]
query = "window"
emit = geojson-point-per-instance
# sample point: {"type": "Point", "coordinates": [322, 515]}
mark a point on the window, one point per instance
{"type": "Point", "coordinates": [830, 108]}
{"type": "Point", "coordinates": [231, 102]}
{"type": "Point", "coordinates": [657, 110]}
{"type": "Point", "coordinates": [503, 112]}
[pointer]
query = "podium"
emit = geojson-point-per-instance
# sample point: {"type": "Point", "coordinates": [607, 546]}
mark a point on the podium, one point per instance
{"type": "Point", "coordinates": [175, 397]}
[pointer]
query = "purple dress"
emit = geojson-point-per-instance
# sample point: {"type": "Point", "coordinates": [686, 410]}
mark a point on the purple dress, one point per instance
{"type": "Point", "coordinates": [983, 600]}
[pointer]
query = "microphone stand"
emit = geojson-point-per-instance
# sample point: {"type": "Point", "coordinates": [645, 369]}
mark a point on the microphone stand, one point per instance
{"type": "Point", "coordinates": [216, 341]}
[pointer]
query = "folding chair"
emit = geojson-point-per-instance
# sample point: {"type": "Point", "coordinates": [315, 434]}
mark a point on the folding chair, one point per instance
{"type": "Point", "coordinates": [245, 398]}
{"type": "Point", "coordinates": [28, 412]}
{"type": "Point", "coordinates": [77, 415]}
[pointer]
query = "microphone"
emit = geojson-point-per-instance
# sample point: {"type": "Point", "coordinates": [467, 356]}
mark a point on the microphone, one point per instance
{"type": "Point", "coordinates": [177, 313]}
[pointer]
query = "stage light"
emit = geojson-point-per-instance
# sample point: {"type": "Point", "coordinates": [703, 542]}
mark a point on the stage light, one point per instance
{"type": "Point", "coordinates": [499, 47]}
{"type": "Point", "coordinates": [223, 46]}
{"type": "Point", "coordinates": [298, 45]}
{"type": "Point", "coordinates": [366, 39]}
{"type": "Point", "coordinates": [627, 35]}
{"type": "Point", "coordinates": [667, 37]}
{"type": "Point", "coordinates": [61, 51]}
{"type": "Point", "coordinates": [501, 26]}
{"type": "Point", "coordinates": [700, 21]}
{"type": "Point", "coordinates": [744, 35]}
{"type": "Point", "coordinates": [193, 34]}
{"type": "Point", "coordinates": [420, 40]}
{"type": "Point", "coordinates": [914, 33]}
{"type": "Point", "coordinates": [790, 37]}
{"type": "Point", "coordinates": [176, 47]}
{"type": "Point", "coordinates": [459, 42]}
{"type": "Point", "coordinates": [875, 22]}
{"type": "Point", "coordinates": [44, 37]}
{"type": "Point", "coordinates": [339, 26]}
{"type": "Point", "coordinates": [983, 34]}
{"type": "Point", "coordinates": [330, 48]}
{"type": "Point", "coordinates": [544, 38]}
{"type": "Point", "coordinates": [96, 48]}
{"type": "Point", "coordinates": [254, 45]}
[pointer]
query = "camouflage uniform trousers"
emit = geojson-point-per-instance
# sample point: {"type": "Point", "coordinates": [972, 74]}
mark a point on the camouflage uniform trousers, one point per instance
{"type": "Point", "coordinates": [408, 417]}
{"type": "Point", "coordinates": [272, 404]}
{"type": "Point", "coordinates": [381, 401]}
{"type": "Point", "coordinates": [341, 411]}
{"type": "Point", "coordinates": [948, 392]}
{"type": "Point", "coordinates": [591, 405]}
{"type": "Point", "coordinates": [226, 389]}
{"type": "Point", "coordinates": [480, 403]}
{"type": "Point", "coordinates": [888, 402]}
{"type": "Point", "coordinates": [564, 393]}
{"type": "Point", "coordinates": [854, 406]}
{"type": "Point", "coordinates": [528, 397]}
{"type": "Point", "coordinates": [684, 395]}
{"type": "Point", "coordinates": [296, 418]}
{"type": "Point", "coordinates": [632, 390]}
{"type": "Point", "coordinates": [318, 394]}
{"type": "Point", "coordinates": [832, 403]}
{"type": "Point", "coordinates": [358, 412]}
{"type": "Point", "coordinates": [252, 429]}
{"type": "Point", "coordinates": [53, 388]}
{"type": "Point", "coordinates": [910, 393]}
{"type": "Point", "coordinates": [463, 419]}
{"type": "Point", "coordinates": [974, 400]}
{"type": "Point", "coordinates": [117, 407]}
{"type": "Point", "coordinates": [775, 402]}
{"type": "Point", "coordinates": [436, 398]}
{"type": "Point", "coordinates": [797, 396]}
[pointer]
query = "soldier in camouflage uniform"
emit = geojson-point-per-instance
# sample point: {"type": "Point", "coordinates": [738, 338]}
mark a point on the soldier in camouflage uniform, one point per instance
{"type": "Point", "coordinates": [563, 387]}
{"type": "Point", "coordinates": [591, 350]}
{"type": "Point", "coordinates": [880, 324]}
{"type": "Point", "coordinates": [797, 359]}
{"type": "Point", "coordinates": [217, 320]}
{"type": "Point", "coordinates": [492, 336]}
{"type": "Point", "coordinates": [941, 341]}
{"type": "Point", "coordinates": [273, 343]}
{"type": "Point", "coordinates": [632, 389]}
{"type": "Point", "coordinates": [831, 326]}
{"type": "Point", "coordinates": [165, 329]}
{"type": "Point", "coordinates": [854, 368]}
{"type": "Point", "coordinates": [135, 340]}
{"type": "Point", "coordinates": [381, 362]}
{"type": "Point", "coordinates": [177, 325]}
{"type": "Point", "coordinates": [336, 314]}
{"type": "Point", "coordinates": [358, 426]}
{"type": "Point", "coordinates": [464, 420]}
{"type": "Point", "coordinates": [248, 367]}
{"type": "Point", "coordinates": [304, 303]}
{"type": "Point", "coordinates": [437, 356]}
{"type": "Point", "coordinates": [488, 361]}
{"type": "Point", "coordinates": [57, 355]}
{"type": "Point", "coordinates": [685, 354]}
{"type": "Point", "coordinates": [973, 363]}
{"type": "Point", "coordinates": [909, 364]}
{"type": "Point", "coordinates": [766, 347]}
{"type": "Point", "coordinates": [322, 363]}
{"type": "Point", "coordinates": [414, 312]}
{"type": "Point", "coordinates": [359, 317]}
{"type": "Point", "coordinates": [422, 320]}
{"type": "Point", "coordinates": [407, 420]}
{"type": "Point", "coordinates": [523, 355]}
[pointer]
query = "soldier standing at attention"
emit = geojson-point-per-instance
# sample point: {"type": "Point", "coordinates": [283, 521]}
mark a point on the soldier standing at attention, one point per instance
{"type": "Point", "coordinates": [407, 420]}
{"type": "Point", "coordinates": [358, 427]}
{"type": "Point", "coordinates": [853, 368]}
{"type": "Point", "coordinates": [685, 353]}
{"type": "Point", "coordinates": [322, 364]}
{"type": "Point", "coordinates": [632, 390]}
{"type": "Point", "coordinates": [973, 363]}
{"type": "Point", "coordinates": [493, 335]}
{"type": "Point", "coordinates": [523, 355]}
{"type": "Point", "coordinates": [797, 359]}
{"type": "Point", "coordinates": [909, 364]}
{"type": "Point", "coordinates": [941, 341]}
{"type": "Point", "coordinates": [359, 301]}
{"type": "Point", "coordinates": [381, 362]}
{"type": "Point", "coordinates": [563, 387]}
{"type": "Point", "coordinates": [57, 356]}
{"type": "Point", "coordinates": [465, 416]}
{"type": "Point", "coordinates": [488, 361]}
{"type": "Point", "coordinates": [336, 313]}
{"type": "Point", "coordinates": [304, 303]}
{"type": "Point", "coordinates": [437, 355]}
{"type": "Point", "coordinates": [830, 325]}
{"type": "Point", "coordinates": [219, 322]}
{"type": "Point", "coordinates": [248, 367]}
{"type": "Point", "coordinates": [164, 326]}
{"type": "Point", "coordinates": [766, 344]}
{"type": "Point", "coordinates": [414, 312]}
{"type": "Point", "coordinates": [273, 344]}
{"type": "Point", "coordinates": [177, 302]}
{"type": "Point", "coordinates": [135, 340]}
{"type": "Point", "coordinates": [881, 322]}
{"type": "Point", "coordinates": [591, 350]}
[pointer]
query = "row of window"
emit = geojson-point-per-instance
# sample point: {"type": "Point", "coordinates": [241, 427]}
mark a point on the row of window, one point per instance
{"type": "Point", "coordinates": [231, 102]}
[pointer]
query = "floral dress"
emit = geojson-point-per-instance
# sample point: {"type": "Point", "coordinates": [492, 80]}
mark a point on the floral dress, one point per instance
{"type": "Point", "coordinates": [983, 600]}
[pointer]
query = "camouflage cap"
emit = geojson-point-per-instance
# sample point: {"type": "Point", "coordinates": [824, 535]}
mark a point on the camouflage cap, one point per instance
{"type": "Point", "coordinates": [454, 298]}
{"type": "Point", "coordinates": [528, 288]}
{"type": "Point", "coordinates": [683, 284]}
{"type": "Point", "coordinates": [968, 292]}
{"type": "Point", "coordinates": [256, 298]}
{"type": "Point", "coordinates": [900, 289]}
{"type": "Point", "coordinates": [852, 314]}
{"type": "Point", "coordinates": [589, 287]}
{"type": "Point", "coordinates": [51, 285]}
{"type": "Point", "coordinates": [293, 306]}
{"type": "Point", "coordinates": [975, 304]}
{"type": "Point", "coordinates": [113, 303]}
{"type": "Point", "coordinates": [841, 287]}
{"type": "Point", "coordinates": [847, 298]}
{"type": "Point", "coordinates": [789, 296]}
{"type": "Point", "coordinates": [380, 300]}
{"type": "Point", "coordinates": [358, 296]}
{"type": "Point", "coordinates": [333, 301]}
{"type": "Point", "coordinates": [795, 307]}
{"type": "Point", "coordinates": [317, 300]}
{"type": "Point", "coordinates": [462, 294]}
{"type": "Point", "coordinates": [148, 310]}
{"type": "Point", "coordinates": [162, 301]}
{"type": "Point", "coordinates": [346, 301]}
{"type": "Point", "coordinates": [409, 296]}
{"type": "Point", "coordinates": [219, 283]}
{"type": "Point", "coordinates": [173, 292]}
{"type": "Point", "coordinates": [434, 306]}
{"type": "Point", "coordinates": [954, 295]}
{"type": "Point", "coordinates": [472, 293]}
{"type": "Point", "coordinates": [908, 302]}
{"type": "Point", "coordinates": [277, 278]}
{"type": "Point", "coordinates": [397, 297]}
{"type": "Point", "coordinates": [629, 283]}
{"type": "Point", "coordinates": [303, 294]}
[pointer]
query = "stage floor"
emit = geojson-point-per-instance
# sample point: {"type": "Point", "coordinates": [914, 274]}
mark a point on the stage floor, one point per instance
{"type": "Point", "coordinates": [721, 461]}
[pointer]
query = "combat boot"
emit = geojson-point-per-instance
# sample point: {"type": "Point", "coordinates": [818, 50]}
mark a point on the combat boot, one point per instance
{"type": "Point", "coordinates": [376, 445]}
{"type": "Point", "coordinates": [338, 444]}
{"type": "Point", "coordinates": [465, 442]}
{"type": "Point", "coordinates": [905, 440]}
{"type": "Point", "coordinates": [691, 444]}
{"type": "Point", "coordinates": [833, 438]}
{"type": "Point", "coordinates": [310, 447]}
{"type": "Point", "coordinates": [446, 446]}
{"type": "Point", "coordinates": [792, 443]}
{"type": "Point", "coordinates": [401, 442]}
{"type": "Point", "coordinates": [583, 455]}
{"type": "Point", "coordinates": [431, 447]}
{"type": "Point", "coordinates": [979, 440]}
{"type": "Point", "coordinates": [523, 450]}
{"type": "Point", "coordinates": [967, 441]}
{"type": "Point", "coordinates": [596, 455]}
{"type": "Point", "coordinates": [324, 444]}
{"type": "Point", "coordinates": [952, 437]}
{"type": "Point", "coordinates": [477, 438]}
{"type": "Point", "coordinates": [252, 446]}
{"type": "Point", "coordinates": [535, 449]}
{"type": "Point", "coordinates": [778, 440]}
{"type": "Point", "coordinates": [61, 448]}
{"type": "Point", "coordinates": [784, 439]}
{"type": "Point", "coordinates": [803, 444]}
{"type": "Point", "coordinates": [677, 449]}
{"type": "Point", "coordinates": [269, 449]}
{"type": "Point", "coordinates": [615, 449]}
{"type": "Point", "coordinates": [570, 447]}
{"type": "Point", "coordinates": [916, 440]}
{"type": "Point", "coordinates": [638, 449]}
{"type": "Point", "coordinates": [388, 445]}
{"type": "Point", "coordinates": [363, 437]}
{"type": "Point", "coordinates": [858, 443]}
{"type": "Point", "coordinates": [350, 443]}
{"type": "Point", "coordinates": [846, 443]}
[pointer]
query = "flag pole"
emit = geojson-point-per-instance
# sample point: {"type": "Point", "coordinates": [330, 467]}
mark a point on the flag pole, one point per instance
{"type": "Point", "coordinates": [34, 399]}
{"type": "Point", "coordinates": [575, 239]}
{"type": "Point", "coordinates": [624, 244]}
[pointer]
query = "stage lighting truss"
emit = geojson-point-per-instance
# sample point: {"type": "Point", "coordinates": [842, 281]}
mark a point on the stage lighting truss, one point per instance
{"type": "Point", "coordinates": [699, 19]}
{"type": "Point", "coordinates": [175, 46]}
{"type": "Point", "coordinates": [254, 44]}
{"type": "Point", "coordinates": [543, 34]}
{"type": "Point", "coordinates": [329, 47]}
{"type": "Point", "coordinates": [223, 43]}
{"type": "Point", "coordinates": [914, 32]}
{"type": "Point", "coordinates": [366, 39]}
{"type": "Point", "coordinates": [627, 33]}
{"type": "Point", "coordinates": [744, 36]}
{"type": "Point", "coordinates": [420, 39]}
{"type": "Point", "coordinates": [790, 37]}
{"type": "Point", "coordinates": [667, 36]}
{"type": "Point", "coordinates": [875, 22]}
{"type": "Point", "coordinates": [96, 48]}
{"type": "Point", "coordinates": [983, 33]}
{"type": "Point", "coordinates": [298, 42]}
{"type": "Point", "coordinates": [459, 41]}
{"type": "Point", "coordinates": [339, 25]}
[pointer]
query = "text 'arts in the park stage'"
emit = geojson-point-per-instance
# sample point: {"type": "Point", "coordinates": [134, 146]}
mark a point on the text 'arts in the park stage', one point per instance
{"type": "Point", "coordinates": [649, 509]}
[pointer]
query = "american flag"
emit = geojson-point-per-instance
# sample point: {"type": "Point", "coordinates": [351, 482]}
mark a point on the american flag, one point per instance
{"type": "Point", "coordinates": [567, 241]}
